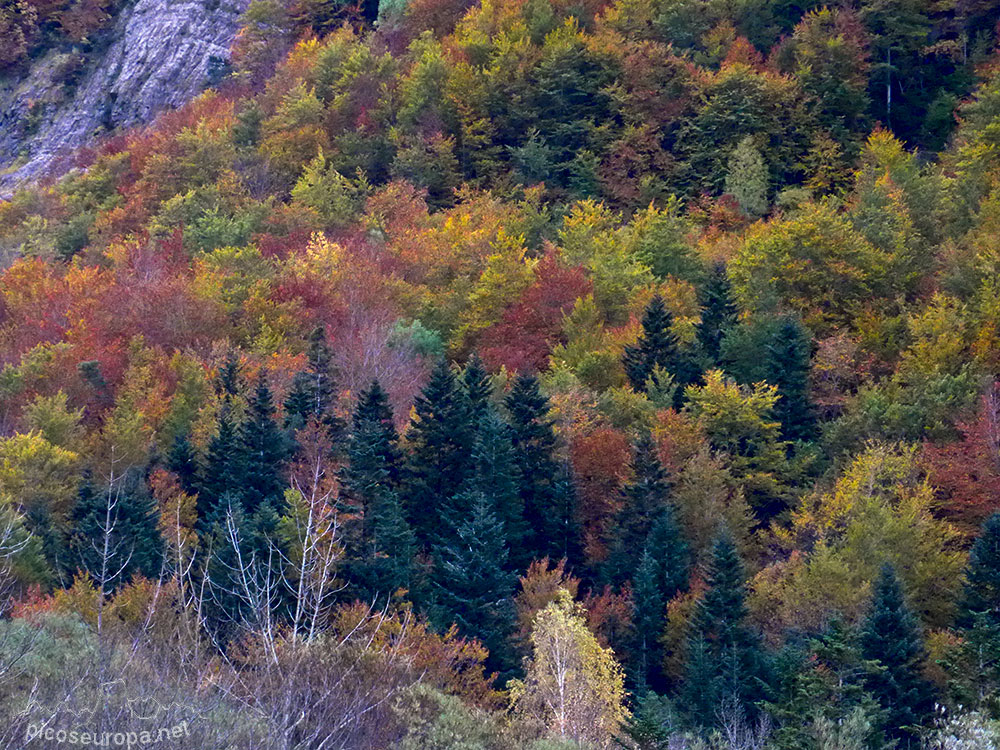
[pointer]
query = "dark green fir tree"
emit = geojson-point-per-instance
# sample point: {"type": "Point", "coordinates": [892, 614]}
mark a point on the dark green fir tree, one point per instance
{"type": "Point", "coordinates": [788, 356]}
{"type": "Point", "coordinates": [644, 499]}
{"type": "Point", "coordinates": [224, 468]}
{"type": "Point", "coordinates": [719, 313]}
{"type": "Point", "coordinates": [663, 572]}
{"type": "Point", "coordinates": [496, 476]}
{"type": "Point", "coordinates": [659, 347]}
{"type": "Point", "coordinates": [264, 450]}
{"type": "Point", "coordinates": [544, 490]}
{"type": "Point", "coordinates": [183, 462]}
{"type": "Point", "coordinates": [977, 673]}
{"type": "Point", "coordinates": [726, 660]}
{"type": "Point", "coordinates": [313, 394]}
{"type": "Point", "coordinates": [890, 636]}
{"type": "Point", "coordinates": [440, 437]}
{"type": "Point", "coordinates": [379, 541]}
{"type": "Point", "coordinates": [478, 389]}
{"type": "Point", "coordinates": [472, 586]}
{"type": "Point", "coordinates": [116, 532]}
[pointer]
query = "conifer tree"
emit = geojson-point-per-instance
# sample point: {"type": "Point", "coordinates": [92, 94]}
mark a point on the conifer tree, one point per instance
{"type": "Point", "coordinates": [827, 688]}
{"type": "Point", "coordinates": [228, 382]}
{"type": "Point", "coordinates": [264, 450]}
{"type": "Point", "coordinates": [788, 354]}
{"type": "Point", "coordinates": [181, 461]}
{"type": "Point", "coordinates": [116, 533]}
{"type": "Point", "coordinates": [478, 388]}
{"type": "Point", "coordinates": [726, 662]}
{"type": "Point", "coordinates": [658, 347]}
{"type": "Point", "coordinates": [718, 313]}
{"type": "Point", "coordinates": [298, 402]}
{"type": "Point", "coordinates": [373, 454]}
{"type": "Point", "coordinates": [224, 469]}
{"type": "Point", "coordinates": [644, 498]}
{"type": "Point", "coordinates": [544, 495]}
{"type": "Point", "coordinates": [495, 475]}
{"type": "Point", "coordinates": [439, 462]}
{"type": "Point", "coordinates": [380, 543]}
{"type": "Point", "coordinates": [890, 636]}
{"type": "Point", "coordinates": [472, 586]}
{"type": "Point", "coordinates": [314, 392]}
{"type": "Point", "coordinates": [663, 571]}
{"type": "Point", "coordinates": [978, 621]}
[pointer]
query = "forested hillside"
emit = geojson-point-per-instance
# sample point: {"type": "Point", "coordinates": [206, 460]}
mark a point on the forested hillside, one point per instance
{"type": "Point", "coordinates": [522, 374]}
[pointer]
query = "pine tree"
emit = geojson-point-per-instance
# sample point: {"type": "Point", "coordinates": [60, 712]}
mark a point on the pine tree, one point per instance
{"type": "Point", "coordinates": [264, 450]}
{"type": "Point", "coordinates": [224, 469]}
{"type": "Point", "coordinates": [644, 498]}
{"type": "Point", "coordinates": [663, 572]}
{"type": "Point", "coordinates": [890, 635]}
{"type": "Point", "coordinates": [543, 491]}
{"type": "Point", "coordinates": [659, 347]}
{"type": "Point", "coordinates": [726, 662]}
{"type": "Point", "coordinates": [496, 476]}
{"type": "Point", "coordinates": [182, 462]}
{"type": "Point", "coordinates": [788, 355]}
{"type": "Point", "coordinates": [978, 621]}
{"type": "Point", "coordinates": [472, 585]}
{"type": "Point", "coordinates": [718, 313]}
{"type": "Point", "coordinates": [439, 462]}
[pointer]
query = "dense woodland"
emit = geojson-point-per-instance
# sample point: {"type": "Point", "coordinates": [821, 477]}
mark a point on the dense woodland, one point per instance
{"type": "Point", "coordinates": [526, 374]}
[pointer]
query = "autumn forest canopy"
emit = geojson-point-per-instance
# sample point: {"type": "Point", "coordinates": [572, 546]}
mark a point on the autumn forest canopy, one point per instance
{"type": "Point", "coordinates": [540, 374]}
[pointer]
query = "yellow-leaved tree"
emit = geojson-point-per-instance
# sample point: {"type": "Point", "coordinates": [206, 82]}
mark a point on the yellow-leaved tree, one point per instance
{"type": "Point", "coordinates": [573, 687]}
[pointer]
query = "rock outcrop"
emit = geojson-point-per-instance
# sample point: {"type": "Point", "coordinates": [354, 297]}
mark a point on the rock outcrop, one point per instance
{"type": "Point", "coordinates": [159, 55]}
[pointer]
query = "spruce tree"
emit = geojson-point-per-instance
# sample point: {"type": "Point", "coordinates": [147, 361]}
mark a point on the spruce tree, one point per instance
{"type": "Point", "coordinates": [224, 469]}
{"type": "Point", "coordinates": [298, 402]}
{"type": "Point", "coordinates": [440, 436]}
{"type": "Point", "coordinates": [313, 394]}
{"type": "Point", "coordinates": [978, 673]}
{"type": "Point", "coordinates": [181, 461]}
{"type": "Point", "coordinates": [116, 532]}
{"type": "Point", "coordinates": [373, 455]}
{"type": "Point", "coordinates": [228, 382]}
{"type": "Point", "coordinates": [726, 661]}
{"type": "Point", "coordinates": [788, 355]}
{"type": "Point", "coordinates": [644, 498]}
{"type": "Point", "coordinates": [663, 572]}
{"type": "Point", "coordinates": [890, 636]}
{"type": "Point", "coordinates": [379, 541]}
{"type": "Point", "coordinates": [825, 686]}
{"type": "Point", "coordinates": [495, 475]}
{"type": "Point", "coordinates": [472, 586]}
{"type": "Point", "coordinates": [719, 313]}
{"type": "Point", "coordinates": [478, 388]}
{"type": "Point", "coordinates": [543, 488]}
{"type": "Point", "coordinates": [323, 384]}
{"type": "Point", "coordinates": [264, 449]}
{"type": "Point", "coordinates": [658, 347]}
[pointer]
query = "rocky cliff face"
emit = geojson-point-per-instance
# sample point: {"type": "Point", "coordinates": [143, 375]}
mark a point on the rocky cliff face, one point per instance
{"type": "Point", "coordinates": [159, 57]}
